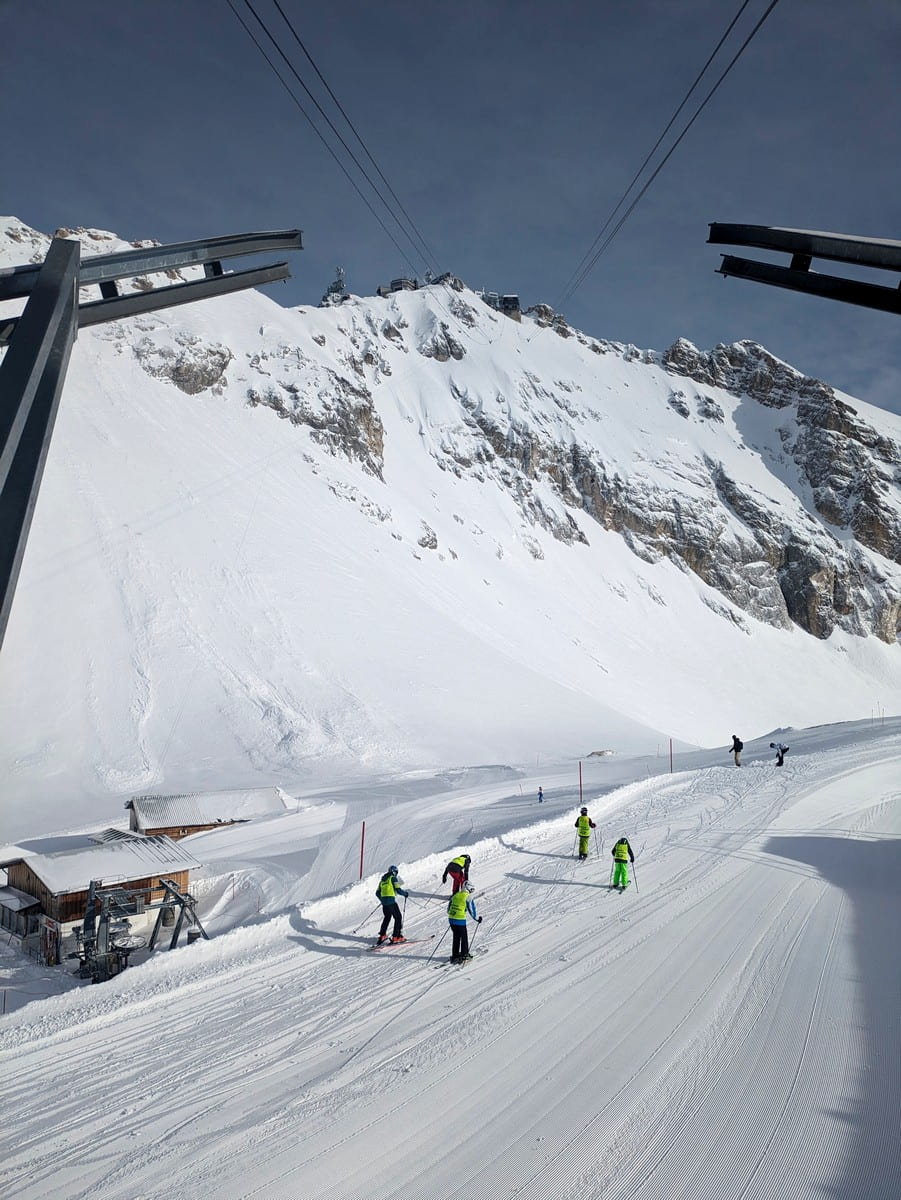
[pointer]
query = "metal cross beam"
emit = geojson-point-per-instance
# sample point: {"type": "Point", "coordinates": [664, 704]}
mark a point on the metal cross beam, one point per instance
{"type": "Point", "coordinates": [804, 246]}
{"type": "Point", "coordinates": [40, 341]}
{"type": "Point", "coordinates": [100, 268]}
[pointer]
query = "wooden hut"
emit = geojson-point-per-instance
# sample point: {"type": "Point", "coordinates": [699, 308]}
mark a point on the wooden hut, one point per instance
{"type": "Point", "coordinates": [56, 873]}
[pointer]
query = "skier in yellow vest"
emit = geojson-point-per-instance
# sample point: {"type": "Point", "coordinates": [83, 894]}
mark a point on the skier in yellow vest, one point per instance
{"type": "Point", "coordinates": [622, 853]}
{"type": "Point", "coordinates": [460, 906]}
{"type": "Point", "coordinates": [458, 869]}
{"type": "Point", "coordinates": [388, 890]}
{"type": "Point", "coordinates": [584, 824]}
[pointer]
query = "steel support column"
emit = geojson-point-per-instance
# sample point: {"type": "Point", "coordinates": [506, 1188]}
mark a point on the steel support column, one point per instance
{"type": "Point", "coordinates": [31, 381]}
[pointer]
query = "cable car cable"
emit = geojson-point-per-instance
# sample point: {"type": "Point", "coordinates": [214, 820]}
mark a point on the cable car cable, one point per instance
{"type": "Point", "coordinates": [587, 270]}
{"type": "Point", "coordinates": [319, 133]}
{"type": "Point", "coordinates": [651, 152]}
{"type": "Point", "coordinates": [428, 253]}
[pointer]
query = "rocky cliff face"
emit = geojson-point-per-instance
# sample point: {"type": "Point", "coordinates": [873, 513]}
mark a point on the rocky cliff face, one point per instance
{"type": "Point", "coordinates": [827, 562]}
{"type": "Point", "coordinates": [852, 473]}
{"type": "Point", "coordinates": [824, 557]}
{"type": "Point", "coordinates": [777, 494]}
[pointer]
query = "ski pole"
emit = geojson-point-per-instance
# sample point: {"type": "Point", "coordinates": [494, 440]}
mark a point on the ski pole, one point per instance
{"type": "Point", "coordinates": [473, 938]}
{"type": "Point", "coordinates": [634, 877]}
{"type": "Point", "coordinates": [363, 922]}
{"type": "Point", "coordinates": [597, 852]}
{"type": "Point", "coordinates": [438, 943]}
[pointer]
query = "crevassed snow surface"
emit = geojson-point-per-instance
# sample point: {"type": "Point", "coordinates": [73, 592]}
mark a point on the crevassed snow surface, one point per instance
{"type": "Point", "coordinates": [726, 1028]}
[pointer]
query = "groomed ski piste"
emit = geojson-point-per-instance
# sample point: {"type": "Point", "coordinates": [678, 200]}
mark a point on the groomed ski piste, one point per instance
{"type": "Point", "coordinates": [727, 1029]}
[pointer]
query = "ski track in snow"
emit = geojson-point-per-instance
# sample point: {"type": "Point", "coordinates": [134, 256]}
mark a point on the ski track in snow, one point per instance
{"type": "Point", "coordinates": [703, 1036]}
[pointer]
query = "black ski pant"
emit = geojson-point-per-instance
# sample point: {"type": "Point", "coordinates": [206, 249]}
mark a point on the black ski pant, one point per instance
{"type": "Point", "coordinates": [392, 909]}
{"type": "Point", "coordinates": [460, 946]}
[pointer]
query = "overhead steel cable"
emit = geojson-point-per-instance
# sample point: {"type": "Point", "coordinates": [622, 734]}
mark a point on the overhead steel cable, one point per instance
{"type": "Point", "coordinates": [426, 250]}
{"type": "Point", "coordinates": [652, 152]}
{"type": "Point", "coordinates": [319, 133]}
{"type": "Point", "coordinates": [586, 271]}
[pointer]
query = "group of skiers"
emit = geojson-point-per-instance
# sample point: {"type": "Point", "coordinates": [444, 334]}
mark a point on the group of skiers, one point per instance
{"type": "Point", "coordinates": [738, 745]}
{"type": "Point", "coordinates": [460, 906]}
{"type": "Point", "coordinates": [621, 852]}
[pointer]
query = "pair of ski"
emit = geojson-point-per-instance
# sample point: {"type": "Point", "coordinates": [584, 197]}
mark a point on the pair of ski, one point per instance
{"type": "Point", "coordinates": [389, 945]}
{"type": "Point", "coordinates": [461, 962]}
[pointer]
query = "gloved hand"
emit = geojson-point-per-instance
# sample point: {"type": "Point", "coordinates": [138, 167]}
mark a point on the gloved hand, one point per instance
{"type": "Point", "coordinates": [479, 922]}
{"type": "Point", "coordinates": [405, 894]}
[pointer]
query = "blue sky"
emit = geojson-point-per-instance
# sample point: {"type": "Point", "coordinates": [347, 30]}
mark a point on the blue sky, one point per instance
{"type": "Point", "coordinates": [508, 131]}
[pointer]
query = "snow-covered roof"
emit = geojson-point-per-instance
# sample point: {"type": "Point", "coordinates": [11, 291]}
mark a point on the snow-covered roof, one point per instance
{"type": "Point", "coordinates": [110, 862]}
{"type": "Point", "coordinates": [206, 808]}
{"type": "Point", "coordinates": [15, 900]}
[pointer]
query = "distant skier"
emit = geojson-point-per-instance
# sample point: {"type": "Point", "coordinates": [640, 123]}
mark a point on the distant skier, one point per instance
{"type": "Point", "coordinates": [622, 852]}
{"type": "Point", "coordinates": [388, 890]}
{"type": "Point", "coordinates": [737, 747]}
{"type": "Point", "coordinates": [584, 824]}
{"type": "Point", "coordinates": [781, 751]}
{"type": "Point", "coordinates": [541, 795]}
{"type": "Point", "coordinates": [458, 869]}
{"type": "Point", "coordinates": [460, 906]}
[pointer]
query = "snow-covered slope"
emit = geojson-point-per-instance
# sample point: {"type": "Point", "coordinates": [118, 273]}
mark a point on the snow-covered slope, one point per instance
{"type": "Point", "coordinates": [726, 1028]}
{"type": "Point", "coordinates": [289, 547]}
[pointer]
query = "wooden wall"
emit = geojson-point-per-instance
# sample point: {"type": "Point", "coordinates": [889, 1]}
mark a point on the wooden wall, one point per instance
{"type": "Point", "coordinates": [70, 906]}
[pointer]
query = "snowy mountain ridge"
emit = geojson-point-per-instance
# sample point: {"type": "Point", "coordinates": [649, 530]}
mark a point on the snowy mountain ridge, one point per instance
{"type": "Point", "coordinates": [464, 538]}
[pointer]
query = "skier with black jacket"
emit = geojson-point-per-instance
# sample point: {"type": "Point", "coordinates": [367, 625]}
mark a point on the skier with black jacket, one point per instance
{"type": "Point", "coordinates": [737, 747]}
{"type": "Point", "coordinates": [388, 890]}
{"type": "Point", "coordinates": [458, 869]}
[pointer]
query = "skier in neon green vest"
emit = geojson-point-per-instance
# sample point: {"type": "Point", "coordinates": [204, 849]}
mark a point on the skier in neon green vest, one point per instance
{"type": "Point", "coordinates": [622, 853]}
{"type": "Point", "coordinates": [388, 890]}
{"type": "Point", "coordinates": [584, 824]}
{"type": "Point", "coordinates": [460, 906]}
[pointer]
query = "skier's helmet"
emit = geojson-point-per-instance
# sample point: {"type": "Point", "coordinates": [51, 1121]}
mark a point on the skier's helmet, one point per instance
{"type": "Point", "coordinates": [469, 887]}
{"type": "Point", "coordinates": [772, 745]}
{"type": "Point", "coordinates": [584, 812]}
{"type": "Point", "coordinates": [623, 838]}
{"type": "Point", "coordinates": [392, 870]}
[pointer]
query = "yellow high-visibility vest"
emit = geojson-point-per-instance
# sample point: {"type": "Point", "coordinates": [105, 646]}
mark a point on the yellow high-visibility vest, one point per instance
{"type": "Point", "coordinates": [386, 888]}
{"type": "Point", "coordinates": [456, 909]}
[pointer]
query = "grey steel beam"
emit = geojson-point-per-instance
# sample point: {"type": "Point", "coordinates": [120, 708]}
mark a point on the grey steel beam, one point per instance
{"type": "Point", "coordinates": [52, 300]}
{"type": "Point", "coordinates": [130, 304]}
{"type": "Point", "coordinates": [31, 382]}
{"type": "Point", "coordinates": [34, 368]}
{"type": "Point", "coordinates": [18, 281]}
{"type": "Point", "coordinates": [837, 247]}
{"type": "Point", "coordinates": [850, 291]}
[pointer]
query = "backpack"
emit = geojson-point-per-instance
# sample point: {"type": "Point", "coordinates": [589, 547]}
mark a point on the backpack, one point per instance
{"type": "Point", "coordinates": [739, 745]}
